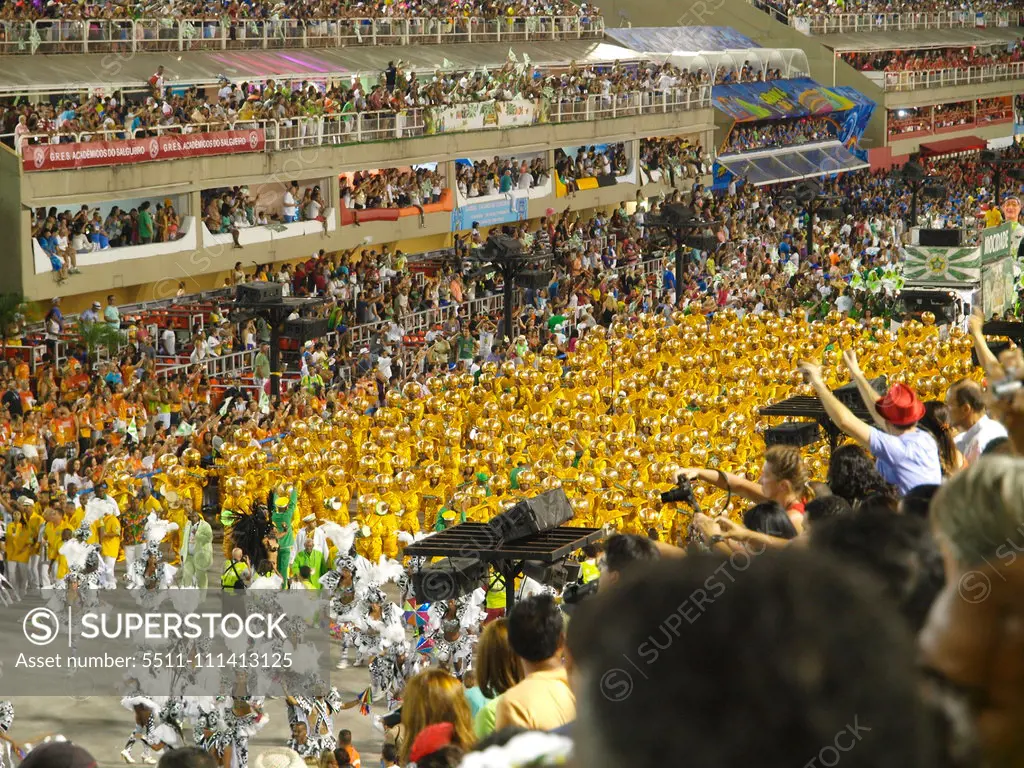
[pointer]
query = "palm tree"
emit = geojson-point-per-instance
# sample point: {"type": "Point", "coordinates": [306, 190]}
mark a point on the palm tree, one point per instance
{"type": "Point", "coordinates": [12, 306]}
{"type": "Point", "coordinates": [94, 336]}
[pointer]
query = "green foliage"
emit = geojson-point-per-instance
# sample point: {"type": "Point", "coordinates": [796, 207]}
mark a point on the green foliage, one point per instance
{"type": "Point", "coordinates": [99, 335]}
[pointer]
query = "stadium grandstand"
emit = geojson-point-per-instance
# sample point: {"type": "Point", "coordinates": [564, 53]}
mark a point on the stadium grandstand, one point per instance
{"type": "Point", "coordinates": [457, 316]}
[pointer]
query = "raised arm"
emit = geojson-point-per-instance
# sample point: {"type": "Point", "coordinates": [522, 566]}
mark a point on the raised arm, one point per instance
{"type": "Point", "coordinates": [867, 392]}
{"type": "Point", "coordinates": [727, 481]}
{"type": "Point", "coordinates": [993, 370]}
{"type": "Point", "coordinates": [841, 416]}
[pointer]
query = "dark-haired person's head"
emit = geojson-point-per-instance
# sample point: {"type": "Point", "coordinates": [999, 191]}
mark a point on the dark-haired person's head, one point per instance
{"type": "Point", "coordinates": [966, 403]}
{"type": "Point", "coordinates": [916, 501]}
{"type": "Point", "coordinates": [536, 629]}
{"type": "Point", "coordinates": [59, 754]}
{"type": "Point", "coordinates": [342, 757]}
{"type": "Point", "coordinates": [770, 519]}
{"type": "Point", "coordinates": [998, 446]}
{"type": "Point", "coordinates": [823, 507]}
{"type": "Point", "coordinates": [850, 680]}
{"type": "Point", "coordinates": [878, 502]}
{"type": "Point", "coordinates": [898, 550]}
{"type": "Point", "coordinates": [621, 552]}
{"type": "Point", "coordinates": [186, 757]}
{"type": "Point", "coordinates": [388, 755]}
{"type": "Point", "coordinates": [852, 474]}
{"type": "Point", "coordinates": [344, 737]}
{"type": "Point", "coordinates": [819, 489]}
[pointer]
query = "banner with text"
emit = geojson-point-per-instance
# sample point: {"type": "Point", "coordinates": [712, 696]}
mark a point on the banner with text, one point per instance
{"type": "Point", "coordinates": [504, 211]}
{"type": "Point", "coordinates": [995, 243]}
{"type": "Point", "coordinates": [50, 157]}
{"type": "Point", "coordinates": [485, 114]}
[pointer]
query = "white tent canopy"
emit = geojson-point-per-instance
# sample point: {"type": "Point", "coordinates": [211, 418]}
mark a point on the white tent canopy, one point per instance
{"type": "Point", "coordinates": [792, 62]}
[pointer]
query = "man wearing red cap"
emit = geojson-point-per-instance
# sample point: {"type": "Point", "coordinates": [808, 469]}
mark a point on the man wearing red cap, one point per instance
{"type": "Point", "coordinates": [905, 455]}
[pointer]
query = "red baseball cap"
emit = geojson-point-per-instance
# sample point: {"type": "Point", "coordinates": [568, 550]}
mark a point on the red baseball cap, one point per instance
{"type": "Point", "coordinates": [430, 740]}
{"type": "Point", "coordinates": [900, 406]}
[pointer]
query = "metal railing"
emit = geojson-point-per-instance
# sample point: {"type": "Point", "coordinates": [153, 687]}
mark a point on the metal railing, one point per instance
{"type": "Point", "coordinates": [952, 76]}
{"type": "Point", "coordinates": [54, 36]}
{"type": "Point", "coordinates": [360, 127]}
{"type": "Point", "coordinates": [844, 23]}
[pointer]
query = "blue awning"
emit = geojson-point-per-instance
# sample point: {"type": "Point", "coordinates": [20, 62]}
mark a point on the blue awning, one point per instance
{"type": "Point", "coordinates": [792, 164]}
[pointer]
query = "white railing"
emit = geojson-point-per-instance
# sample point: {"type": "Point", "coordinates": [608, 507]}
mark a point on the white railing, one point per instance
{"type": "Point", "coordinates": [360, 127]}
{"type": "Point", "coordinates": [844, 23]}
{"type": "Point", "coordinates": [952, 76]}
{"type": "Point", "coordinates": [231, 364]}
{"type": "Point", "coordinates": [46, 36]}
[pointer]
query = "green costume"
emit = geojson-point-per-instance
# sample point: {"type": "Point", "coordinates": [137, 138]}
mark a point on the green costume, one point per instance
{"type": "Point", "coordinates": [315, 560]}
{"type": "Point", "coordinates": [282, 520]}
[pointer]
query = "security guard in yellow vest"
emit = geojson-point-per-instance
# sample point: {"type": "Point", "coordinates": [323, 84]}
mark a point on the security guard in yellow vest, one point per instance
{"type": "Point", "coordinates": [588, 566]}
{"type": "Point", "coordinates": [496, 596]}
{"type": "Point", "coordinates": [236, 572]}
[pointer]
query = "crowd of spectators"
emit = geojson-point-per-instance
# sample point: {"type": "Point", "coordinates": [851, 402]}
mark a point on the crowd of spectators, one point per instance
{"type": "Point", "coordinates": [953, 114]}
{"type": "Point", "coordinates": [591, 163]}
{"type": "Point", "coordinates": [781, 133]}
{"type": "Point", "coordinates": [391, 188]}
{"type": "Point", "coordinates": [325, 9]}
{"type": "Point", "coordinates": [931, 59]}
{"type": "Point", "coordinates": [66, 235]}
{"type": "Point", "coordinates": [817, 8]}
{"type": "Point", "coordinates": [244, 104]}
{"type": "Point", "coordinates": [877, 595]}
{"type": "Point", "coordinates": [482, 178]}
{"type": "Point", "coordinates": [673, 158]}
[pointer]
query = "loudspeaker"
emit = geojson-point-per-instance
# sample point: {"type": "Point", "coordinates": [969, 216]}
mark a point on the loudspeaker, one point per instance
{"type": "Point", "coordinates": [556, 575]}
{"type": "Point", "coordinates": [502, 246]}
{"type": "Point", "coordinates": [448, 579]}
{"type": "Point", "coordinates": [677, 215]}
{"type": "Point", "coordinates": [940, 238]}
{"type": "Point", "coordinates": [849, 395]}
{"type": "Point", "coordinates": [306, 328]}
{"type": "Point", "coordinates": [799, 433]}
{"type": "Point", "coordinates": [534, 278]}
{"type": "Point", "coordinates": [259, 293]}
{"type": "Point", "coordinates": [541, 513]}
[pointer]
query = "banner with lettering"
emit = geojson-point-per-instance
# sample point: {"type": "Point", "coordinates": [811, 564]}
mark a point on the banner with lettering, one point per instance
{"type": "Point", "coordinates": [484, 114]}
{"type": "Point", "coordinates": [995, 243]}
{"type": "Point", "coordinates": [509, 208]}
{"type": "Point", "coordinates": [781, 99]}
{"type": "Point", "coordinates": [172, 146]}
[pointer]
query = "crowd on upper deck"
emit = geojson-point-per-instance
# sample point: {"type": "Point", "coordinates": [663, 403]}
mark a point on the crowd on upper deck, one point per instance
{"type": "Point", "coordinates": [931, 59]}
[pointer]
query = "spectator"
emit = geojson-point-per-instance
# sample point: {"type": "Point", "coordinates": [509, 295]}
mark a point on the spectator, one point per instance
{"type": "Point", "coordinates": [542, 700]}
{"type": "Point", "coordinates": [498, 669]}
{"type": "Point", "coordinates": [626, 677]}
{"type": "Point", "coordinates": [967, 410]}
{"type": "Point", "coordinates": [434, 696]}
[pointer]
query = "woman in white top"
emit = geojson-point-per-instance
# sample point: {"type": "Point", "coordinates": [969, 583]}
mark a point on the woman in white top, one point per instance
{"type": "Point", "coordinates": [313, 210]}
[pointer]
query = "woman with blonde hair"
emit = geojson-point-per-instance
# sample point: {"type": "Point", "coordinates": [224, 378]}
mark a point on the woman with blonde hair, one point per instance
{"type": "Point", "coordinates": [784, 479]}
{"type": "Point", "coordinates": [497, 670]}
{"type": "Point", "coordinates": [434, 696]}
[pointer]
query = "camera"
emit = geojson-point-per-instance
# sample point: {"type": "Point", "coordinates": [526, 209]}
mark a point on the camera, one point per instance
{"type": "Point", "coordinates": [577, 592]}
{"type": "Point", "coordinates": [683, 492]}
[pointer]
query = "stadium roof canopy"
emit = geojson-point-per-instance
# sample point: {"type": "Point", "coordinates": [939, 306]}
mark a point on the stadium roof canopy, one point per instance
{"type": "Point", "coordinates": [953, 146]}
{"type": "Point", "coordinates": [807, 162]}
{"type": "Point", "coordinates": [71, 73]}
{"type": "Point", "coordinates": [913, 39]}
{"type": "Point", "coordinates": [680, 39]}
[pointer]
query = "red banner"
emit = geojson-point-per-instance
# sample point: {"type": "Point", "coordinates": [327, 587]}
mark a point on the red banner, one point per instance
{"type": "Point", "coordinates": [51, 157]}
